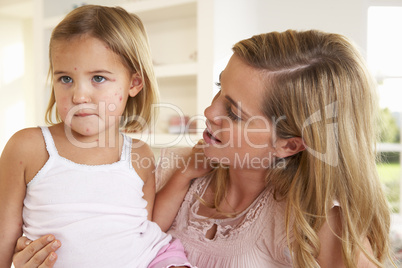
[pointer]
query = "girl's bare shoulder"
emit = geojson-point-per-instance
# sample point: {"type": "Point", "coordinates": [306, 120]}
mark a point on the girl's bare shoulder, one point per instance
{"type": "Point", "coordinates": [26, 141]}
{"type": "Point", "coordinates": [27, 148]}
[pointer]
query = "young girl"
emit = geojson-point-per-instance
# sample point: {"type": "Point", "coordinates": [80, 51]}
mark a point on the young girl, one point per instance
{"type": "Point", "coordinates": [76, 178]}
{"type": "Point", "coordinates": [294, 129]}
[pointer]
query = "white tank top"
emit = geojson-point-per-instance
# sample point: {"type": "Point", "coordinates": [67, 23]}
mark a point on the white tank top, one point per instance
{"type": "Point", "coordinates": [97, 212]}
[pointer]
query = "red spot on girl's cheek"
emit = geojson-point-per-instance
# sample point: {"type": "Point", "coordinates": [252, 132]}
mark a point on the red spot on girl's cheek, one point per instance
{"type": "Point", "coordinates": [121, 98]}
{"type": "Point", "coordinates": [75, 68]}
{"type": "Point", "coordinates": [87, 129]}
{"type": "Point", "coordinates": [20, 162]}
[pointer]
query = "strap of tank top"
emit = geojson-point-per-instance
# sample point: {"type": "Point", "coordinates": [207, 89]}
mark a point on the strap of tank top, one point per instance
{"type": "Point", "coordinates": [126, 150]}
{"type": "Point", "coordinates": [50, 146]}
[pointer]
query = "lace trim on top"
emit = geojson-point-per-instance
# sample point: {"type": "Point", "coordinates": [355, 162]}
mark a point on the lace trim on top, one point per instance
{"type": "Point", "coordinates": [53, 152]}
{"type": "Point", "coordinates": [228, 228]}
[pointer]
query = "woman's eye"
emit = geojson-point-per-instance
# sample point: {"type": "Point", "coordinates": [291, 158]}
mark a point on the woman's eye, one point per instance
{"type": "Point", "coordinates": [66, 79]}
{"type": "Point", "coordinates": [98, 79]}
{"type": "Point", "coordinates": [231, 114]}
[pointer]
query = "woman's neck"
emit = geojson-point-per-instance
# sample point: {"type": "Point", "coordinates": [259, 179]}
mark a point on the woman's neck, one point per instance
{"type": "Point", "coordinates": [244, 187]}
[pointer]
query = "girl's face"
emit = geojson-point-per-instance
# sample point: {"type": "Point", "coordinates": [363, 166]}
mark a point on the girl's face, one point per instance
{"type": "Point", "coordinates": [91, 85]}
{"type": "Point", "coordinates": [238, 133]}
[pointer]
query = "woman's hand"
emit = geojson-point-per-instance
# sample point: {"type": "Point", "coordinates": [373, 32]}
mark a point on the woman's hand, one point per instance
{"type": "Point", "coordinates": [192, 164]}
{"type": "Point", "coordinates": [40, 253]}
{"type": "Point", "coordinates": [195, 164]}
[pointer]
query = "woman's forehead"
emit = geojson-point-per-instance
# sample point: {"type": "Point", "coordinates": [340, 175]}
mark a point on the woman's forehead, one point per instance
{"type": "Point", "coordinates": [243, 84]}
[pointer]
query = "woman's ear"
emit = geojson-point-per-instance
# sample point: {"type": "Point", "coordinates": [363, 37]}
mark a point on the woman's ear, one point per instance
{"type": "Point", "coordinates": [136, 85]}
{"type": "Point", "coordinates": [288, 147]}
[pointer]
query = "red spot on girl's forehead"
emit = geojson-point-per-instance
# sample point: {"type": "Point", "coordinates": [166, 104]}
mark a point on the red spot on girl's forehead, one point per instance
{"type": "Point", "coordinates": [75, 68]}
{"type": "Point", "coordinates": [20, 162]}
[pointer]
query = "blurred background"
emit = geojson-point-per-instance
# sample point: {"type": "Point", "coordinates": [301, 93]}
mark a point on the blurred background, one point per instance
{"type": "Point", "coordinates": [191, 43]}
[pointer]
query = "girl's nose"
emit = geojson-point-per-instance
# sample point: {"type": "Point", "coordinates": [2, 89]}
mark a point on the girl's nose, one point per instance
{"type": "Point", "coordinates": [81, 95]}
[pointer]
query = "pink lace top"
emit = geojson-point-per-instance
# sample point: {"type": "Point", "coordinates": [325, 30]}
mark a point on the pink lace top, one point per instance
{"type": "Point", "coordinates": [253, 239]}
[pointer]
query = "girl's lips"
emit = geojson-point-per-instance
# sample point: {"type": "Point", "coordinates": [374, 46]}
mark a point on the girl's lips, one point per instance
{"type": "Point", "coordinates": [209, 138]}
{"type": "Point", "coordinates": [83, 115]}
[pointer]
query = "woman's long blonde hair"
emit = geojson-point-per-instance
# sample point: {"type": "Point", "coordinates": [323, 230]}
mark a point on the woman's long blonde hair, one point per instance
{"type": "Point", "coordinates": [125, 35]}
{"type": "Point", "coordinates": [320, 84]}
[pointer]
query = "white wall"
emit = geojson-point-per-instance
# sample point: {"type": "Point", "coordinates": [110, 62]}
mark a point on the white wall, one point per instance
{"type": "Point", "coordinates": [258, 16]}
{"type": "Point", "coordinates": [15, 77]}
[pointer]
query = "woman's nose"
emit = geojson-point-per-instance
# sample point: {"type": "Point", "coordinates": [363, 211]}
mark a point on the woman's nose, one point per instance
{"type": "Point", "coordinates": [213, 114]}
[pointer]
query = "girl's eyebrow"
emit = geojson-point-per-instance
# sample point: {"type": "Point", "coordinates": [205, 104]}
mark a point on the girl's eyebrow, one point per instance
{"type": "Point", "coordinates": [101, 71]}
{"type": "Point", "coordinates": [92, 72]}
{"type": "Point", "coordinates": [59, 72]}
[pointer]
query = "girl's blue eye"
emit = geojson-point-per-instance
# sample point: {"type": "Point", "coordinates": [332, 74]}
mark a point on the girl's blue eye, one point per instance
{"type": "Point", "coordinates": [98, 79]}
{"type": "Point", "coordinates": [66, 79]}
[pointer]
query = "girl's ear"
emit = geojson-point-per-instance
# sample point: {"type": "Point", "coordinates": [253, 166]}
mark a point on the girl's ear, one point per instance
{"type": "Point", "coordinates": [288, 147]}
{"type": "Point", "coordinates": [136, 85]}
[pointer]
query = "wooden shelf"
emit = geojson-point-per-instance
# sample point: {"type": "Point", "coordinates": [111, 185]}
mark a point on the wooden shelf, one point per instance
{"type": "Point", "coordinates": [161, 9]}
{"type": "Point", "coordinates": [148, 10]}
{"type": "Point", "coordinates": [176, 70]}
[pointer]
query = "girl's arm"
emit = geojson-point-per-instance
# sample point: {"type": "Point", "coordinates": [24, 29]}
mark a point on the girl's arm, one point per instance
{"type": "Point", "coordinates": [168, 200]}
{"type": "Point", "coordinates": [143, 161]}
{"type": "Point", "coordinates": [13, 162]}
{"type": "Point", "coordinates": [331, 244]}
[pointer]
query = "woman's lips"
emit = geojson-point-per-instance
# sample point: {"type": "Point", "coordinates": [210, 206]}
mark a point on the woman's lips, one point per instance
{"type": "Point", "coordinates": [209, 138]}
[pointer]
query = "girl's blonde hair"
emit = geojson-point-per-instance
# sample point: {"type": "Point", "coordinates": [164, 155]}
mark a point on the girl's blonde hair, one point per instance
{"type": "Point", "coordinates": [125, 35]}
{"type": "Point", "coordinates": [320, 84]}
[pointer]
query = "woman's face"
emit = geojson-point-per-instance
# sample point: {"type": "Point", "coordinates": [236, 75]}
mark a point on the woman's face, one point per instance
{"type": "Point", "coordinates": [238, 134]}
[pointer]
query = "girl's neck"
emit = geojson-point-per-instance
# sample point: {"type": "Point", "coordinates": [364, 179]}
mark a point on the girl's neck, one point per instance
{"type": "Point", "coordinates": [87, 150]}
{"type": "Point", "coordinates": [109, 138]}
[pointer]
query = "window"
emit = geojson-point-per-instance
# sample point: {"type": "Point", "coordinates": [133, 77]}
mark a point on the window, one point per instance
{"type": "Point", "coordinates": [384, 56]}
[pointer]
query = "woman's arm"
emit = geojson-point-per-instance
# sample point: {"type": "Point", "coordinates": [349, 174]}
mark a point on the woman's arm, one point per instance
{"type": "Point", "coordinates": [12, 192]}
{"type": "Point", "coordinates": [168, 200]}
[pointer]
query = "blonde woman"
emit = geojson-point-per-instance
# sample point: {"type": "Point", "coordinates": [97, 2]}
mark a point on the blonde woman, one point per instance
{"type": "Point", "coordinates": [76, 179]}
{"type": "Point", "coordinates": [290, 140]}
{"type": "Point", "coordinates": [294, 130]}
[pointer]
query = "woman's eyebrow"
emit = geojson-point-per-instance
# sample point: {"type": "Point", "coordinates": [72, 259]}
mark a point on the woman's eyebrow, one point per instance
{"type": "Point", "coordinates": [237, 105]}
